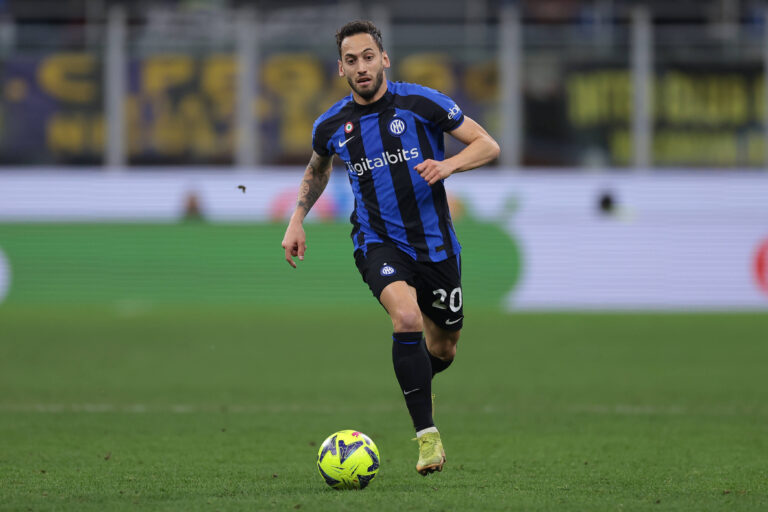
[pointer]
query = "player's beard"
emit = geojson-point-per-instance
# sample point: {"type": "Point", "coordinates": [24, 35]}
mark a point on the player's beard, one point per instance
{"type": "Point", "coordinates": [370, 93]}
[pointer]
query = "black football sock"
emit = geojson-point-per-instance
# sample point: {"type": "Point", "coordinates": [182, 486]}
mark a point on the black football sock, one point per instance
{"type": "Point", "coordinates": [413, 371]}
{"type": "Point", "coordinates": [438, 365]}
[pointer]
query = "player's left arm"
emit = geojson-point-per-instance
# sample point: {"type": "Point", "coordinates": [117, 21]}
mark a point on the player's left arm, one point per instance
{"type": "Point", "coordinates": [481, 148]}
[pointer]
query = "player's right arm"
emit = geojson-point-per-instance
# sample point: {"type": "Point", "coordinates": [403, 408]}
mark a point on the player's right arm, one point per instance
{"type": "Point", "coordinates": [315, 179]}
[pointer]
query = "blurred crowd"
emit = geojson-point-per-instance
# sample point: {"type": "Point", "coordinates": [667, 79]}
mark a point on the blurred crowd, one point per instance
{"type": "Point", "coordinates": [539, 11]}
{"type": "Point", "coordinates": [180, 90]}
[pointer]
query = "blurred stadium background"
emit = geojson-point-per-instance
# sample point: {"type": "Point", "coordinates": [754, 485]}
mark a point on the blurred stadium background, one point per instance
{"type": "Point", "coordinates": [632, 174]}
{"type": "Point", "coordinates": [154, 344]}
{"type": "Point", "coordinates": [156, 349]}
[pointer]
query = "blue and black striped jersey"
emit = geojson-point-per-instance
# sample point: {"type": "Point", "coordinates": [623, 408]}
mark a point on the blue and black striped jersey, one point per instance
{"type": "Point", "coordinates": [380, 144]}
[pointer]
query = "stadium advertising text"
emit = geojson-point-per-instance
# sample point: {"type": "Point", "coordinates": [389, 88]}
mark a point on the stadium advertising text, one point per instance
{"type": "Point", "coordinates": [702, 116]}
{"type": "Point", "coordinates": [180, 108]}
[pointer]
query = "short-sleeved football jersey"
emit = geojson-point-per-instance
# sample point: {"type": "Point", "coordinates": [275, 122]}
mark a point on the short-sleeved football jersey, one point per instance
{"type": "Point", "coordinates": [380, 144]}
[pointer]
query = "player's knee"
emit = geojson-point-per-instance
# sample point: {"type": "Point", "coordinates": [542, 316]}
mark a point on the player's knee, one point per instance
{"type": "Point", "coordinates": [407, 320]}
{"type": "Point", "coordinates": [446, 351]}
{"type": "Point", "coordinates": [451, 350]}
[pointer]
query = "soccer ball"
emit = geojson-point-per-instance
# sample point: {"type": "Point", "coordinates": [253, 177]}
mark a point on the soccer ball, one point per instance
{"type": "Point", "coordinates": [348, 459]}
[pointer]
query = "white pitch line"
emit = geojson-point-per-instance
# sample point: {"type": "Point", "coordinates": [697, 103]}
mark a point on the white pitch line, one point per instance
{"type": "Point", "coordinates": [632, 410]}
{"type": "Point", "coordinates": [185, 408]}
{"type": "Point", "coordinates": [669, 410]}
{"type": "Point", "coordinates": [394, 406]}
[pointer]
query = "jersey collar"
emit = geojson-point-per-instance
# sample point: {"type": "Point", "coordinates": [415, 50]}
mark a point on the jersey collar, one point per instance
{"type": "Point", "coordinates": [376, 106]}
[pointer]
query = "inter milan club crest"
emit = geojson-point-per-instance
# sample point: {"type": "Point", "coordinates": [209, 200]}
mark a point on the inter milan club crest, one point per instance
{"type": "Point", "coordinates": [396, 126]}
{"type": "Point", "coordinates": [348, 127]}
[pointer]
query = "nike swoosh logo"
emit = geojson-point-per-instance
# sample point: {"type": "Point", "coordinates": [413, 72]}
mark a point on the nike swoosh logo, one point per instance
{"type": "Point", "coordinates": [451, 322]}
{"type": "Point", "coordinates": [411, 391]}
{"type": "Point", "coordinates": [342, 144]}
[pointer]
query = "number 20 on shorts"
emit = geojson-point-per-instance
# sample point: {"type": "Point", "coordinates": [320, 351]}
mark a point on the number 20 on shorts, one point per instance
{"type": "Point", "coordinates": [454, 299]}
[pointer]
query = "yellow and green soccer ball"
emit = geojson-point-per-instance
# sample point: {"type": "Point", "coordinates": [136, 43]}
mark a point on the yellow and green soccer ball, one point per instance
{"type": "Point", "coordinates": [348, 459]}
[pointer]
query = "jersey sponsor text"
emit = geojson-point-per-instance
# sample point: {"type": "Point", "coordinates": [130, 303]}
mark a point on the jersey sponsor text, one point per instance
{"type": "Point", "coordinates": [369, 164]}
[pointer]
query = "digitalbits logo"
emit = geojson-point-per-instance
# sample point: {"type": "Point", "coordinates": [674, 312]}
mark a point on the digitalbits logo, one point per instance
{"type": "Point", "coordinates": [5, 276]}
{"type": "Point", "coordinates": [761, 266]}
{"type": "Point", "coordinates": [385, 158]}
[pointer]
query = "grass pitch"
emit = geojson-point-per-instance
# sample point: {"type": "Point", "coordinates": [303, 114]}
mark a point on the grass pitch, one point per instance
{"type": "Point", "coordinates": [186, 367]}
{"type": "Point", "coordinates": [216, 407]}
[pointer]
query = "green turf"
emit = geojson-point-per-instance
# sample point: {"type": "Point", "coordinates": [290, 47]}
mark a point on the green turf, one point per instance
{"type": "Point", "coordinates": [214, 407]}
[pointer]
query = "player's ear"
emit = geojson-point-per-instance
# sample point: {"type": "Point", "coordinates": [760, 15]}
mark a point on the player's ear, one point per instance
{"type": "Point", "coordinates": [385, 59]}
{"type": "Point", "coordinates": [341, 68]}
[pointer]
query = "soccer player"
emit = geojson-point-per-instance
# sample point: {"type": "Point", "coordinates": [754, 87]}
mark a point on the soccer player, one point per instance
{"type": "Point", "coordinates": [390, 137]}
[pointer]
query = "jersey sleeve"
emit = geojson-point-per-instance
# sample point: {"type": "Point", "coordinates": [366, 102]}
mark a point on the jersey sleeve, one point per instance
{"type": "Point", "coordinates": [320, 139]}
{"type": "Point", "coordinates": [445, 113]}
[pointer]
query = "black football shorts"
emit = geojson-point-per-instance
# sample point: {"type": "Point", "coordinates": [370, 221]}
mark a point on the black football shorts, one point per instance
{"type": "Point", "coordinates": [437, 284]}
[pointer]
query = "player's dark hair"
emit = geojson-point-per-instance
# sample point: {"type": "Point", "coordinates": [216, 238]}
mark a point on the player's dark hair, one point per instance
{"type": "Point", "coordinates": [359, 27]}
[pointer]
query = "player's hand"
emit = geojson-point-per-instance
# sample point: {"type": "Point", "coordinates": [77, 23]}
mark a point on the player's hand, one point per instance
{"type": "Point", "coordinates": [294, 243]}
{"type": "Point", "coordinates": [433, 171]}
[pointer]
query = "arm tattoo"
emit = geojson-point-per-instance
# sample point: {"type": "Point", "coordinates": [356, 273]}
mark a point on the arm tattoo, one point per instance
{"type": "Point", "coordinates": [315, 179]}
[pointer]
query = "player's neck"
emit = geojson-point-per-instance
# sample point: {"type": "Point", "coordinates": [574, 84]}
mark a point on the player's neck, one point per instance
{"type": "Point", "coordinates": [376, 97]}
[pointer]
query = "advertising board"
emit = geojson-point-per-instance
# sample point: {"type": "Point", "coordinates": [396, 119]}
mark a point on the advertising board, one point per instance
{"type": "Point", "coordinates": [571, 241]}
